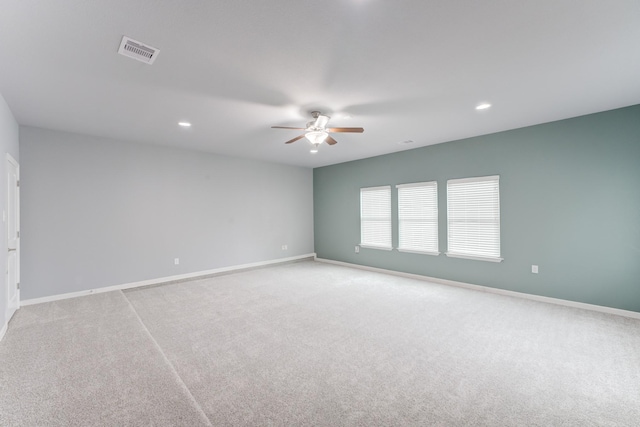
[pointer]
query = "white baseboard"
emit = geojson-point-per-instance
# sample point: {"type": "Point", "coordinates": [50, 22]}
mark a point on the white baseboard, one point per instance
{"type": "Point", "coordinates": [557, 301]}
{"type": "Point", "coordinates": [164, 279]}
{"type": "Point", "coordinates": [3, 331]}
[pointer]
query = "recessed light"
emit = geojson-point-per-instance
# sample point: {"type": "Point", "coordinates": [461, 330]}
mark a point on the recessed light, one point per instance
{"type": "Point", "coordinates": [184, 124]}
{"type": "Point", "coordinates": [313, 151]}
{"type": "Point", "coordinates": [483, 106]}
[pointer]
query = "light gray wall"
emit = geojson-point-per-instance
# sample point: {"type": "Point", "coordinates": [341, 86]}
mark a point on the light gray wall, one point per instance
{"type": "Point", "coordinates": [570, 203]}
{"type": "Point", "coordinates": [8, 144]}
{"type": "Point", "coordinates": [99, 212]}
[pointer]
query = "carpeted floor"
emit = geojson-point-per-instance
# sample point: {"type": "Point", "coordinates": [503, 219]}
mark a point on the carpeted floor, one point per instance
{"type": "Point", "coordinates": [316, 344]}
{"type": "Point", "coordinates": [88, 361]}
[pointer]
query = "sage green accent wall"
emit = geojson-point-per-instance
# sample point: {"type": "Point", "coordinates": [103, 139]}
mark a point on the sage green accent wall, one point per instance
{"type": "Point", "coordinates": [570, 203]}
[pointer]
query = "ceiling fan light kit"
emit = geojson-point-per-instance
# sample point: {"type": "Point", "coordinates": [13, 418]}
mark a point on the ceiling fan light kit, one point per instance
{"type": "Point", "coordinates": [316, 137]}
{"type": "Point", "coordinates": [317, 132]}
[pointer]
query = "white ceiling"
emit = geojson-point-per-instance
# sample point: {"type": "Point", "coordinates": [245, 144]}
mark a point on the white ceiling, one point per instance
{"type": "Point", "coordinates": [403, 70]}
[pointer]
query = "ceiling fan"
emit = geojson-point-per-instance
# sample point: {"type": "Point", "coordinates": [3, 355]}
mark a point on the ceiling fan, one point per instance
{"type": "Point", "coordinates": [317, 131]}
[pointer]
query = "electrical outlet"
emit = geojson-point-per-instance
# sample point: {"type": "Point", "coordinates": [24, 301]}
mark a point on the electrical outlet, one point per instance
{"type": "Point", "coordinates": [534, 269]}
{"type": "Point", "coordinates": [176, 261]}
{"type": "Point", "coordinates": [357, 249]}
{"type": "Point", "coordinates": [284, 247]}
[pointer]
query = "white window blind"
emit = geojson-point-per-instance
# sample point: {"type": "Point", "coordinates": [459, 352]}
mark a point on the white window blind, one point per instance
{"type": "Point", "coordinates": [473, 218]}
{"type": "Point", "coordinates": [418, 217]}
{"type": "Point", "coordinates": [375, 217]}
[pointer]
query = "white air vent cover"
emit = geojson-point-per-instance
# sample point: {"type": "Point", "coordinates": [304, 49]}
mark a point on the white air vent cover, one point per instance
{"type": "Point", "coordinates": [136, 50]}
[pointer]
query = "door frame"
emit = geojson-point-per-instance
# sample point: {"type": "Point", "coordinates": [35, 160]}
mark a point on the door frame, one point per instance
{"type": "Point", "coordinates": [14, 163]}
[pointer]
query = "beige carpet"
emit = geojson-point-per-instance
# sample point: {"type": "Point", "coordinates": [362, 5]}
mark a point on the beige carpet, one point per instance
{"type": "Point", "coordinates": [88, 361]}
{"type": "Point", "coordinates": [316, 344]}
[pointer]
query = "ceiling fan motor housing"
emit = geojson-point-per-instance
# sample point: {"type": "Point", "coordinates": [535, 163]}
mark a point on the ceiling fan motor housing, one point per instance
{"type": "Point", "coordinates": [320, 122]}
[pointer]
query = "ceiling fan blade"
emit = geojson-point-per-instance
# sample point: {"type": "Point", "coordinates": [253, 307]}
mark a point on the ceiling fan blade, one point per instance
{"type": "Point", "coordinates": [330, 141]}
{"type": "Point", "coordinates": [356, 130]}
{"type": "Point", "coordinates": [286, 127]}
{"type": "Point", "coordinates": [294, 139]}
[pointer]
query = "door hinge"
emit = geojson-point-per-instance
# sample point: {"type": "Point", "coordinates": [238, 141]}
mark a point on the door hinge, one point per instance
{"type": "Point", "coordinates": [18, 234]}
{"type": "Point", "coordinates": [18, 183]}
{"type": "Point", "coordinates": [18, 285]}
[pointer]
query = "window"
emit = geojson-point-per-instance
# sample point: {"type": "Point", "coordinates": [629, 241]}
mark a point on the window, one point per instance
{"type": "Point", "coordinates": [375, 217]}
{"type": "Point", "coordinates": [473, 218]}
{"type": "Point", "coordinates": [418, 217]}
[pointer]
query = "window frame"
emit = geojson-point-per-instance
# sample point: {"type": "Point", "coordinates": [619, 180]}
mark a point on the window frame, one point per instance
{"type": "Point", "coordinates": [434, 214]}
{"type": "Point", "coordinates": [385, 219]}
{"type": "Point", "coordinates": [495, 208]}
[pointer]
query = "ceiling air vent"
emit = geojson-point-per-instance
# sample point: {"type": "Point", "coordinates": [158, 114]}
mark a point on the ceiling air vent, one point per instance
{"type": "Point", "coordinates": [139, 51]}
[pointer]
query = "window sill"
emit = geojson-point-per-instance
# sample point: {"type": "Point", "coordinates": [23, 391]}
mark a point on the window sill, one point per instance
{"type": "Point", "coordinates": [382, 248]}
{"type": "Point", "coordinates": [476, 258]}
{"type": "Point", "coordinates": [410, 251]}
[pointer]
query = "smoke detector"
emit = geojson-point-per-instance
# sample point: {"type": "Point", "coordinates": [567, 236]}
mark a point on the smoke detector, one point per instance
{"type": "Point", "coordinates": [139, 51]}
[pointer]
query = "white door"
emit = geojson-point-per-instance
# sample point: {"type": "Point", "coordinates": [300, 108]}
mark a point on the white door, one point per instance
{"type": "Point", "coordinates": [13, 235]}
